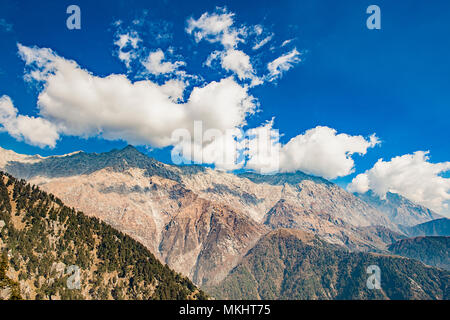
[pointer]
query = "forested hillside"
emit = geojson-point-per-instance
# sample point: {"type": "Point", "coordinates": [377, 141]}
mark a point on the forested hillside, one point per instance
{"type": "Point", "coordinates": [43, 243]}
{"type": "Point", "coordinates": [433, 251]}
{"type": "Point", "coordinates": [292, 264]}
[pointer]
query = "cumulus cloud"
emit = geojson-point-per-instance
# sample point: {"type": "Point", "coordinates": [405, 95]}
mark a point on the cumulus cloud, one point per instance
{"type": "Point", "coordinates": [319, 151]}
{"type": "Point", "coordinates": [174, 89]}
{"type": "Point", "coordinates": [210, 146]}
{"type": "Point", "coordinates": [237, 62]}
{"type": "Point", "coordinates": [35, 131]}
{"type": "Point", "coordinates": [142, 62]}
{"type": "Point", "coordinates": [164, 113]}
{"type": "Point", "coordinates": [73, 101]}
{"type": "Point", "coordinates": [262, 149]}
{"type": "Point", "coordinates": [78, 103]}
{"type": "Point", "coordinates": [282, 64]}
{"type": "Point", "coordinates": [156, 65]}
{"type": "Point", "coordinates": [412, 176]}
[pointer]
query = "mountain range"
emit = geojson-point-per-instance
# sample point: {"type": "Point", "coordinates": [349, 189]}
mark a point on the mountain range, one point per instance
{"type": "Point", "coordinates": [206, 223]}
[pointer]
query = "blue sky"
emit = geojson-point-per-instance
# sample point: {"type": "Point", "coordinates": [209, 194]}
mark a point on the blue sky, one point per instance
{"type": "Point", "coordinates": [393, 82]}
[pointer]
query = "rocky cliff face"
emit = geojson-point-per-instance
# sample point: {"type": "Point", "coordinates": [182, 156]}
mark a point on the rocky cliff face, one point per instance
{"type": "Point", "coordinates": [400, 210]}
{"type": "Point", "coordinates": [301, 201]}
{"type": "Point", "coordinates": [199, 221]}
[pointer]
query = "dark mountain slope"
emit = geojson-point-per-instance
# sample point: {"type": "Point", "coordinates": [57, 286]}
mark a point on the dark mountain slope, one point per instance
{"type": "Point", "coordinates": [438, 227]}
{"type": "Point", "coordinates": [43, 238]}
{"type": "Point", "coordinates": [433, 251]}
{"type": "Point", "coordinates": [290, 264]}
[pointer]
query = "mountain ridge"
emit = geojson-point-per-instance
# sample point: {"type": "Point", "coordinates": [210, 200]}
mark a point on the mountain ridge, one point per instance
{"type": "Point", "coordinates": [399, 208]}
{"type": "Point", "coordinates": [193, 218]}
{"type": "Point", "coordinates": [437, 227]}
{"type": "Point", "coordinates": [431, 250]}
{"type": "Point", "coordinates": [290, 265]}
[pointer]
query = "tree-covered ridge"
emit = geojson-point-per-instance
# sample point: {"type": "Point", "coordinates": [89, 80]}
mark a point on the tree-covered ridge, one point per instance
{"type": "Point", "coordinates": [42, 238]}
{"type": "Point", "coordinates": [433, 251]}
{"type": "Point", "coordinates": [438, 227]}
{"type": "Point", "coordinates": [286, 265]}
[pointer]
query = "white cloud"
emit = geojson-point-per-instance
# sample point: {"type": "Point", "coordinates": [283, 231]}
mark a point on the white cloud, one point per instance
{"type": "Point", "coordinates": [412, 176]}
{"type": "Point", "coordinates": [237, 62]}
{"type": "Point", "coordinates": [258, 29]}
{"type": "Point", "coordinates": [155, 65]}
{"type": "Point", "coordinates": [79, 103]}
{"type": "Point", "coordinates": [35, 131]}
{"type": "Point", "coordinates": [216, 27]}
{"type": "Point", "coordinates": [282, 64]}
{"type": "Point", "coordinates": [219, 27]}
{"type": "Point", "coordinates": [323, 152]}
{"type": "Point", "coordinates": [210, 146]}
{"type": "Point", "coordinates": [127, 44]}
{"type": "Point", "coordinates": [360, 184]}
{"type": "Point", "coordinates": [212, 57]}
{"type": "Point", "coordinates": [263, 42]}
{"type": "Point", "coordinates": [319, 151]}
{"type": "Point", "coordinates": [286, 42]}
{"type": "Point", "coordinates": [263, 149]}
{"type": "Point", "coordinates": [73, 101]}
{"type": "Point", "coordinates": [174, 89]}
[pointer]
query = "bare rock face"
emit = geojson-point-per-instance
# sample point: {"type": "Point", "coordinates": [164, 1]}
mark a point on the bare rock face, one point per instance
{"type": "Point", "coordinates": [193, 236]}
{"type": "Point", "coordinates": [294, 201]}
{"type": "Point", "coordinates": [210, 239]}
{"type": "Point", "coordinates": [400, 210]}
{"type": "Point", "coordinates": [199, 221]}
{"type": "Point", "coordinates": [257, 197]}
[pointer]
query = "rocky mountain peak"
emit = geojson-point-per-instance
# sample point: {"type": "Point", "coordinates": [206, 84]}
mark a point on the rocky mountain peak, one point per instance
{"type": "Point", "coordinates": [129, 152]}
{"type": "Point", "coordinates": [292, 178]}
{"type": "Point", "coordinates": [399, 209]}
